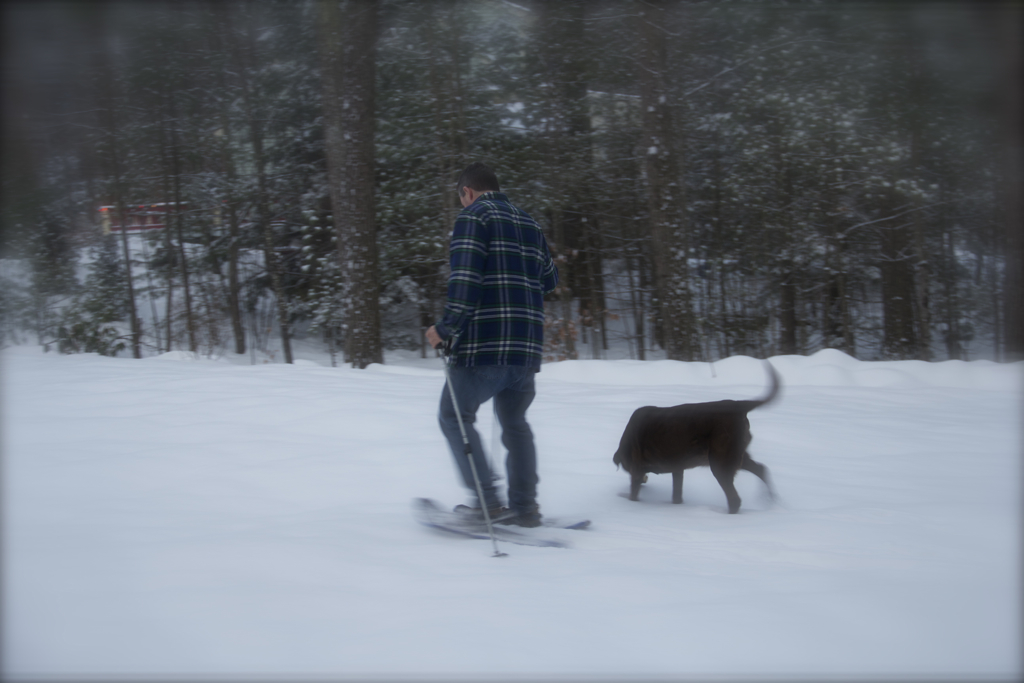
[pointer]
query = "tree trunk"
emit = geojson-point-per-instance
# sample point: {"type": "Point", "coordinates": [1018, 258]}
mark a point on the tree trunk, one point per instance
{"type": "Point", "coordinates": [595, 287]}
{"type": "Point", "coordinates": [787, 315]}
{"type": "Point", "coordinates": [359, 36]}
{"type": "Point", "coordinates": [849, 340]}
{"type": "Point", "coordinates": [136, 332]}
{"type": "Point", "coordinates": [234, 286]}
{"type": "Point", "coordinates": [442, 147]}
{"type": "Point", "coordinates": [953, 348]}
{"type": "Point", "coordinates": [639, 307]}
{"type": "Point", "coordinates": [458, 122]}
{"type": "Point", "coordinates": [1012, 114]}
{"type": "Point", "coordinates": [227, 160]}
{"type": "Point", "coordinates": [450, 151]}
{"type": "Point", "coordinates": [252, 99]}
{"type": "Point", "coordinates": [922, 286]}
{"type": "Point", "coordinates": [921, 263]}
{"type": "Point", "coordinates": [994, 233]}
{"type": "Point", "coordinates": [170, 253]}
{"type": "Point", "coordinates": [110, 124]}
{"type": "Point", "coordinates": [899, 340]}
{"type": "Point", "coordinates": [665, 198]}
{"type": "Point", "coordinates": [562, 290]}
{"type": "Point", "coordinates": [179, 227]}
{"type": "Point", "coordinates": [572, 80]}
{"type": "Point", "coordinates": [329, 48]}
{"type": "Point", "coordinates": [551, 22]}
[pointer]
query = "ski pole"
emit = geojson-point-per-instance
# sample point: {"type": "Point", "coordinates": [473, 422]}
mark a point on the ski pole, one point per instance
{"type": "Point", "coordinates": [468, 450]}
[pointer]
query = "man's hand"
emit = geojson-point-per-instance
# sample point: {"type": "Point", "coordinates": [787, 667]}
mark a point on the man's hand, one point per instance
{"type": "Point", "coordinates": [433, 338]}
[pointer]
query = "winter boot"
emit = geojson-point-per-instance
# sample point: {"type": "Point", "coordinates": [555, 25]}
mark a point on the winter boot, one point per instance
{"type": "Point", "coordinates": [530, 517]}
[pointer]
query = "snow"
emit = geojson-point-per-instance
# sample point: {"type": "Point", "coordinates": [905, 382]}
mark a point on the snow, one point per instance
{"type": "Point", "coordinates": [179, 516]}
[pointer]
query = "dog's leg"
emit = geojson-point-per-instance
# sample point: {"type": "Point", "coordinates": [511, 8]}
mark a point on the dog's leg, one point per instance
{"type": "Point", "coordinates": [724, 475]}
{"type": "Point", "coordinates": [751, 465]}
{"type": "Point", "coordinates": [636, 479]}
{"type": "Point", "coordinates": [677, 487]}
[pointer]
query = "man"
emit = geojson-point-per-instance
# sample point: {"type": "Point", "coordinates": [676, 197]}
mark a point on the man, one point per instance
{"type": "Point", "coordinates": [494, 317]}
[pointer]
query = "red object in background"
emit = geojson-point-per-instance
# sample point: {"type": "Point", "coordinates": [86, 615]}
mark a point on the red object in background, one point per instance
{"type": "Point", "coordinates": [139, 217]}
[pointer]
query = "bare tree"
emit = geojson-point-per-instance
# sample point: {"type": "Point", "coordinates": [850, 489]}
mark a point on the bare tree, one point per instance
{"type": "Point", "coordinates": [329, 47]}
{"type": "Point", "coordinates": [110, 124]}
{"type": "Point", "coordinates": [220, 51]}
{"type": "Point", "coordinates": [182, 255]}
{"type": "Point", "coordinates": [1011, 115]}
{"type": "Point", "coordinates": [358, 235]}
{"type": "Point", "coordinates": [444, 54]}
{"type": "Point", "coordinates": [247, 60]}
{"type": "Point", "coordinates": [665, 190]}
{"type": "Point", "coordinates": [565, 53]}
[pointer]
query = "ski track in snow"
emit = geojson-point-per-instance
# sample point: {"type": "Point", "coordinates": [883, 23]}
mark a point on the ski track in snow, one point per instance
{"type": "Point", "coordinates": [174, 516]}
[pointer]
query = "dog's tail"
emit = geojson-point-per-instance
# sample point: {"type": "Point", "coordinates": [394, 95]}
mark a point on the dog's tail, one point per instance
{"type": "Point", "coordinates": [773, 389]}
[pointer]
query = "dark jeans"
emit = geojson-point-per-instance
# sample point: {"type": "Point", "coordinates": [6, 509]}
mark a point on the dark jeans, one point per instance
{"type": "Point", "coordinates": [512, 388]}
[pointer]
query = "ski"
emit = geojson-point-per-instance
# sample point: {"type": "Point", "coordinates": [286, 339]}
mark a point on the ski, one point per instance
{"type": "Point", "coordinates": [470, 514]}
{"type": "Point", "coordinates": [429, 513]}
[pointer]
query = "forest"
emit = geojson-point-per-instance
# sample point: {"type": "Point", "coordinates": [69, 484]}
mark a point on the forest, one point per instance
{"type": "Point", "coordinates": [715, 178]}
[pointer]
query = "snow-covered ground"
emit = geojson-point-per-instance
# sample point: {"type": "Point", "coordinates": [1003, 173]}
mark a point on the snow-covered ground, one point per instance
{"type": "Point", "coordinates": [181, 517]}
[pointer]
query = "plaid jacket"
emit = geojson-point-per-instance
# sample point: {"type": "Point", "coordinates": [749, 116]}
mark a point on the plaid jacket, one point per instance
{"type": "Point", "coordinates": [500, 271]}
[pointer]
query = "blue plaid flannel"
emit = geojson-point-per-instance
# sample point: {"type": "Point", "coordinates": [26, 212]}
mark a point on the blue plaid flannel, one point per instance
{"type": "Point", "coordinates": [501, 270]}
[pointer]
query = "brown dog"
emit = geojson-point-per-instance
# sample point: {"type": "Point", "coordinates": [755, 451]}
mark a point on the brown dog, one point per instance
{"type": "Point", "coordinates": [716, 434]}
